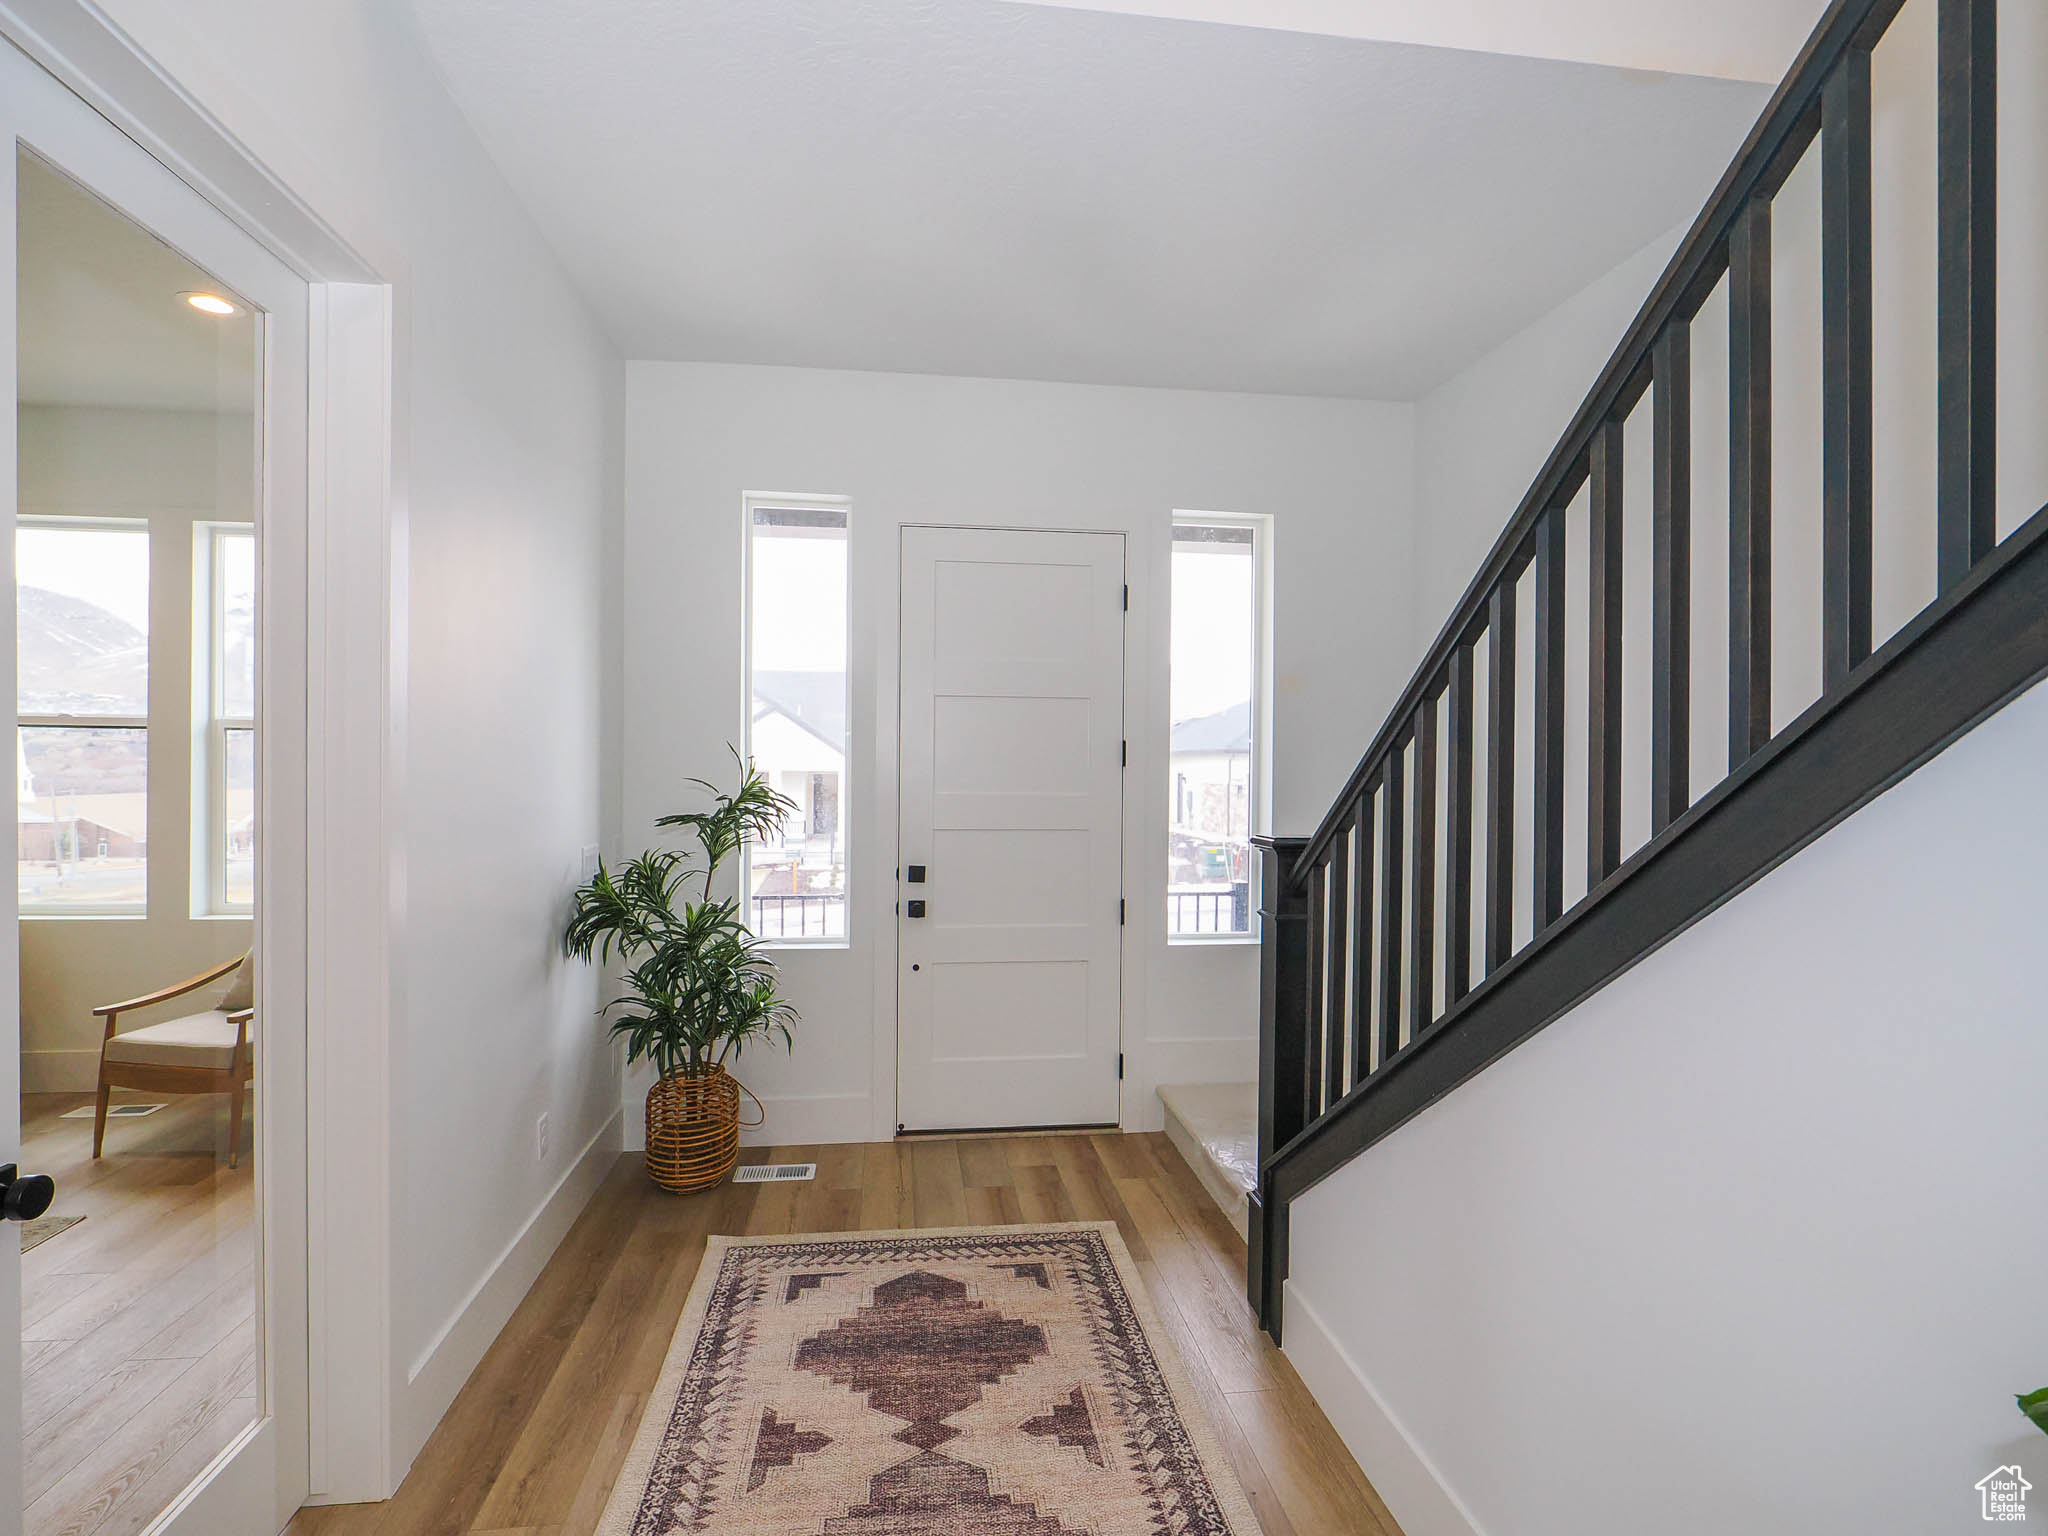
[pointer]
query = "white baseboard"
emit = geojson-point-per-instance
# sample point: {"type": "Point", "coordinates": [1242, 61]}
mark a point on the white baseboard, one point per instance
{"type": "Point", "coordinates": [809, 1119]}
{"type": "Point", "coordinates": [789, 1119]}
{"type": "Point", "coordinates": [444, 1365]}
{"type": "Point", "coordinates": [1405, 1477]}
{"type": "Point", "coordinates": [60, 1071]}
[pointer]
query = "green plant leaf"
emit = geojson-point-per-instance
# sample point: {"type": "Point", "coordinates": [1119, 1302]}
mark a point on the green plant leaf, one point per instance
{"type": "Point", "coordinates": [2035, 1406]}
{"type": "Point", "coordinates": [698, 986]}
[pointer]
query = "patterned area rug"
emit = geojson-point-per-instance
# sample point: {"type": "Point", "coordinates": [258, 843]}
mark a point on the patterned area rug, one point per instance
{"type": "Point", "coordinates": [977, 1381]}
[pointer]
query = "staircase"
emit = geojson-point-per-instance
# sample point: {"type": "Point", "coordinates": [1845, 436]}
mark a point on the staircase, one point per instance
{"type": "Point", "coordinates": [1422, 931]}
{"type": "Point", "coordinates": [1215, 1128]}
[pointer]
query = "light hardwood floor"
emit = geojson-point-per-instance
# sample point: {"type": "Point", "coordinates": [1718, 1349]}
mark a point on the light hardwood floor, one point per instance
{"type": "Point", "coordinates": [531, 1446]}
{"type": "Point", "coordinates": [138, 1324]}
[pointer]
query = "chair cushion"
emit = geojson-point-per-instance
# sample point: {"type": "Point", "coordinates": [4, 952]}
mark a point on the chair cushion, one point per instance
{"type": "Point", "coordinates": [198, 1040]}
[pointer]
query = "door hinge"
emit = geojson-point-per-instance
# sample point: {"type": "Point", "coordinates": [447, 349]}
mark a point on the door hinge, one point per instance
{"type": "Point", "coordinates": [1119, 1066]}
{"type": "Point", "coordinates": [1126, 758]}
{"type": "Point", "coordinates": [1119, 911]}
{"type": "Point", "coordinates": [1127, 597]}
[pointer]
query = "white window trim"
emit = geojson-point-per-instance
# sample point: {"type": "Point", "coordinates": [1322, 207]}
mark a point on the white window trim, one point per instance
{"type": "Point", "coordinates": [208, 817]}
{"type": "Point", "coordinates": [136, 911]}
{"type": "Point", "coordinates": [750, 502]}
{"type": "Point", "coordinates": [1261, 526]}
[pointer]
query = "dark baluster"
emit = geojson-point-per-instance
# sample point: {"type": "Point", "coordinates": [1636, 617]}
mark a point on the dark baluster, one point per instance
{"type": "Point", "coordinates": [1845, 370]}
{"type": "Point", "coordinates": [1422, 867]}
{"type": "Point", "coordinates": [1317, 1094]}
{"type": "Point", "coordinates": [1337, 968]}
{"type": "Point", "coordinates": [1967, 296]}
{"type": "Point", "coordinates": [1749, 483]}
{"type": "Point", "coordinates": [1603, 682]}
{"type": "Point", "coordinates": [1392, 805]}
{"type": "Point", "coordinates": [1671, 577]}
{"type": "Point", "coordinates": [1458, 824]}
{"type": "Point", "coordinates": [1361, 939]}
{"type": "Point", "coordinates": [1283, 1051]}
{"type": "Point", "coordinates": [1500, 772]}
{"type": "Point", "coordinates": [1549, 797]}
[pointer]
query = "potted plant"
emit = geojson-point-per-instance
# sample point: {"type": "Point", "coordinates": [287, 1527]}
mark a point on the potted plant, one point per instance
{"type": "Point", "coordinates": [698, 985]}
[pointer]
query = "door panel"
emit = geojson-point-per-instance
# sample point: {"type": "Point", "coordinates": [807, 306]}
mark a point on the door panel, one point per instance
{"type": "Point", "coordinates": [228, 1455]}
{"type": "Point", "coordinates": [1011, 782]}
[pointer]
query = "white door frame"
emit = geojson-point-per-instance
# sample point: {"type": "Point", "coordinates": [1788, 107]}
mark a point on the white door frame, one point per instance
{"type": "Point", "coordinates": [904, 892]}
{"type": "Point", "coordinates": [353, 743]}
{"type": "Point", "coordinates": [882, 891]}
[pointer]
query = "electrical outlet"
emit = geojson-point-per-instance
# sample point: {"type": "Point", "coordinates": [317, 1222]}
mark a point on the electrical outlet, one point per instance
{"type": "Point", "coordinates": [540, 1139]}
{"type": "Point", "coordinates": [589, 861]}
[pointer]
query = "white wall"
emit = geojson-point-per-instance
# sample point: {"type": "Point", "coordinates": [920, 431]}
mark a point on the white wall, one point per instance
{"type": "Point", "coordinates": [1745, 1242]}
{"type": "Point", "coordinates": [507, 402]}
{"type": "Point", "coordinates": [1481, 437]}
{"type": "Point", "coordinates": [1335, 476]}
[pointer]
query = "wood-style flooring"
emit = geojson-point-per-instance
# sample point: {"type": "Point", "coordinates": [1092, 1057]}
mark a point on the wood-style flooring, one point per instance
{"type": "Point", "coordinates": [532, 1444]}
{"type": "Point", "coordinates": [138, 1324]}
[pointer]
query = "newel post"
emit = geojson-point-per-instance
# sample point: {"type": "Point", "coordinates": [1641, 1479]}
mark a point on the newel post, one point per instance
{"type": "Point", "coordinates": [1283, 1061]}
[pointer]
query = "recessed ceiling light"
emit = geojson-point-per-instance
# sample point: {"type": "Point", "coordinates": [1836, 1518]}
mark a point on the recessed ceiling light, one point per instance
{"type": "Point", "coordinates": [209, 303]}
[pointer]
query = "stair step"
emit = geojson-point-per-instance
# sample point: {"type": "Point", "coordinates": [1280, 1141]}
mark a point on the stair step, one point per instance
{"type": "Point", "coordinates": [1215, 1126]}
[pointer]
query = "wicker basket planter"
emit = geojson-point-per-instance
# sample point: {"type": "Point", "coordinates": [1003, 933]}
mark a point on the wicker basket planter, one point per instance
{"type": "Point", "coordinates": [693, 1129]}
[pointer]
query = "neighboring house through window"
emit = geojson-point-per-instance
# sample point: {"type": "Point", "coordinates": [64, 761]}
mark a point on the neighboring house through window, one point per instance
{"type": "Point", "coordinates": [1217, 659]}
{"type": "Point", "coordinates": [797, 584]}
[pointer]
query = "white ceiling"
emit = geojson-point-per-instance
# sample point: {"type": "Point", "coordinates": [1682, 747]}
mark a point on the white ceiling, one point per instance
{"type": "Point", "coordinates": [986, 188]}
{"type": "Point", "coordinates": [1734, 39]}
{"type": "Point", "coordinates": [102, 322]}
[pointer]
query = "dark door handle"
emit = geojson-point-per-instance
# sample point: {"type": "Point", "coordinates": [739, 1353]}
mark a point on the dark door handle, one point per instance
{"type": "Point", "coordinates": [914, 908]}
{"type": "Point", "coordinates": [24, 1197]}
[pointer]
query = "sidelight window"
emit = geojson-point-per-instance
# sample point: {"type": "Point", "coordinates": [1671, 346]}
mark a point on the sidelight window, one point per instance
{"type": "Point", "coordinates": [1217, 659]}
{"type": "Point", "coordinates": [796, 636]}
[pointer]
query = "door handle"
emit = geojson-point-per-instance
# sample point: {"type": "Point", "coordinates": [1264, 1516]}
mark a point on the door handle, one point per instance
{"type": "Point", "coordinates": [24, 1197]}
{"type": "Point", "coordinates": [914, 908]}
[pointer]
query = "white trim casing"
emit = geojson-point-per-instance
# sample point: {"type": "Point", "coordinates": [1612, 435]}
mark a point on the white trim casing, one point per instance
{"type": "Point", "coordinates": [353, 868]}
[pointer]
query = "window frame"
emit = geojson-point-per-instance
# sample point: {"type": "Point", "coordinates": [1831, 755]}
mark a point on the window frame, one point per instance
{"type": "Point", "coordinates": [1259, 796]}
{"type": "Point", "coordinates": [211, 725]}
{"type": "Point", "coordinates": [133, 910]}
{"type": "Point", "coordinates": [751, 503]}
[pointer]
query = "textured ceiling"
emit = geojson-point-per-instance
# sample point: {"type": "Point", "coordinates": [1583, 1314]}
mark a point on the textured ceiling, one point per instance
{"type": "Point", "coordinates": [978, 187]}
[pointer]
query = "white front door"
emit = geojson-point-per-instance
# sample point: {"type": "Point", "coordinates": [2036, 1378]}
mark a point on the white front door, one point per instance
{"type": "Point", "coordinates": [167, 1357]}
{"type": "Point", "coordinates": [1010, 874]}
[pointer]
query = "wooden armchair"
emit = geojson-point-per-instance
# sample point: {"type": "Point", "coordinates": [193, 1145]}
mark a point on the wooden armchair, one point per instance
{"type": "Point", "coordinates": [200, 1053]}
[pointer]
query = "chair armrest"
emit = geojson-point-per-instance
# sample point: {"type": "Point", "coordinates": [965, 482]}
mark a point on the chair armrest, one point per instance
{"type": "Point", "coordinates": [241, 1015]}
{"type": "Point", "coordinates": [165, 994]}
